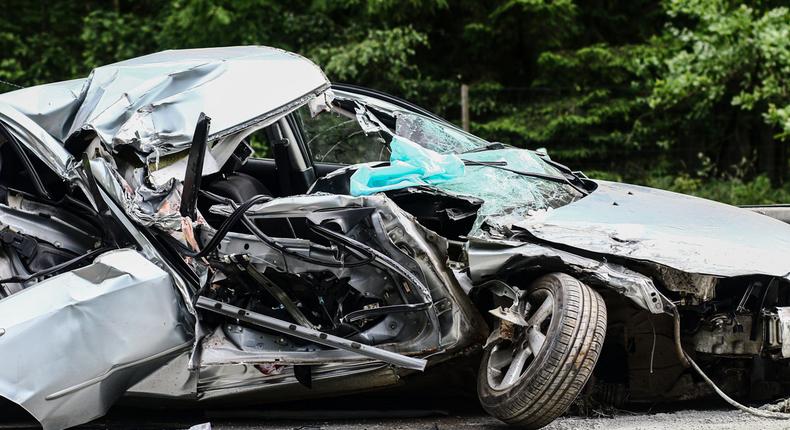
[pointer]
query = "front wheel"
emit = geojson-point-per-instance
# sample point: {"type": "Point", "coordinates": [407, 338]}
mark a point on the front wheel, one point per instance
{"type": "Point", "coordinates": [532, 374]}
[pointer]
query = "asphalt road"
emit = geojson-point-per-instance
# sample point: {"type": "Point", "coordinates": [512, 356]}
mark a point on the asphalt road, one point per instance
{"type": "Point", "coordinates": [680, 420]}
{"type": "Point", "coordinates": [461, 414]}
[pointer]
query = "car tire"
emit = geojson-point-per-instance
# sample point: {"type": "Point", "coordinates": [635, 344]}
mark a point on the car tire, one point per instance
{"type": "Point", "coordinates": [546, 384]}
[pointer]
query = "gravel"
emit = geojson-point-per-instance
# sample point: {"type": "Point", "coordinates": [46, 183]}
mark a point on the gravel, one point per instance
{"type": "Point", "coordinates": [679, 420]}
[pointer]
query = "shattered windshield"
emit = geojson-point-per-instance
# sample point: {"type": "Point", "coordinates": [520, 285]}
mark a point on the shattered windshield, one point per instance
{"type": "Point", "coordinates": [509, 196]}
{"type": "Point", "coordinates": [513, 183]}
{"type": "Point", "coordinates": [499, 177]}
{"type": "Point", "coordinates": [433, 135]}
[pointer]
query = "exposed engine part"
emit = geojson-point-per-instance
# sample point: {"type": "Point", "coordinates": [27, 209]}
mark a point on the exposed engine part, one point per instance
{"type": "Point", "coordinates": [727, 334]}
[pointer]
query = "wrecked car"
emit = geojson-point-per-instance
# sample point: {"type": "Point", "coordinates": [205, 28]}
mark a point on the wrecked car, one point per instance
{"type": "Point", "coordinates": [224, 225]}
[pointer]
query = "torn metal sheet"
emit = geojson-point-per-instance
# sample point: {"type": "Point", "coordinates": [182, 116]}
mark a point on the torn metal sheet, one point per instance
{"type": "Point", "coordinates": [80, 361]}
{"type": "Point", "coordinates": [395, 230]}
{"type": "Point", "coordinates": [489, 258]}
{"type": "Point", "coordinates": [682, 232]}
{"type": "Point", "coordinates": [145, 205]}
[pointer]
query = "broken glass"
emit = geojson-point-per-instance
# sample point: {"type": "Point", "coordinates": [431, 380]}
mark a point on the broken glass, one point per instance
{"type": "Point", "coordinates": [500, 177]}
{"type": "Point", "coordinates": [509, 196]}
{"type": "Point", "coordinates": [434, 135]}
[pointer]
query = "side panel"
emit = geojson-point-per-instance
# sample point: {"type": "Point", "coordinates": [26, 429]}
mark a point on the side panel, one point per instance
{"type": "Point", "coordinates": [73, 344]}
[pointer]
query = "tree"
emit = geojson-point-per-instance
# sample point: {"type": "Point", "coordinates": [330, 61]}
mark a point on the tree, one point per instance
{"type": "Point", "coordinates": [643, 89]}
{"type": "Point", "coordinates": [725, 67]}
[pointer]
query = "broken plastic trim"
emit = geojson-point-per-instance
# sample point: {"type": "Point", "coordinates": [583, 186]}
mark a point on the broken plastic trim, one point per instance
{"type": "Point", "coordinates": [312, 335]}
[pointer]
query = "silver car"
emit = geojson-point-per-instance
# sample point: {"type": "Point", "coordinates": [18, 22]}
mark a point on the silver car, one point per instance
{"type": "Point", "coordinates": [225, 225]}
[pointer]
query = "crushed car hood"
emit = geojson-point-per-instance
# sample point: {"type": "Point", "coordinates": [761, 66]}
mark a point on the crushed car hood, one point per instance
{"type": "Point", "coordinates": [686, 233]}
{"type": "Point", "coordinates": [152, 102]}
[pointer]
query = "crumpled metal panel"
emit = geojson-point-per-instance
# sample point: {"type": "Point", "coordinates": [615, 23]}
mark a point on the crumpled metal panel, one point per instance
{"type": "Point", "coordinates": [152, 102]}
{"type": "Point", "coordinates": [74, 343]}
{"type": "Point", "coordinates": [51, 106]}
{"type": "Point", "coordinates": [466, 326]}
{"type": "Point", "coordinates": [682, 232]}
{"type": "Point", "coordinates": [488, 258]}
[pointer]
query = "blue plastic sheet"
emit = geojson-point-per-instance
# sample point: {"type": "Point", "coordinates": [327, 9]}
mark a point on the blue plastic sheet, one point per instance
{"type": "Point", "coordinates": [410, 165]}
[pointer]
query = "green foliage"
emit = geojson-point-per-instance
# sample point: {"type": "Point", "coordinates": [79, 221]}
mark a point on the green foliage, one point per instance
{"type": "Point", "coordinates": [690, 95]}
{"type": "Point", "coordinates": [757, 191]}
{"type": "Point", "coordinates": [382, 55]}
{"type": "Point", "coordinates": [735, 54]}
{"type": "Point", "coordinates": [110, 35]}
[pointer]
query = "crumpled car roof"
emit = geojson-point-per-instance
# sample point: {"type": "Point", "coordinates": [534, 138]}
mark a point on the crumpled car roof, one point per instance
{"type": "Point", "coordinates": [152, 102]}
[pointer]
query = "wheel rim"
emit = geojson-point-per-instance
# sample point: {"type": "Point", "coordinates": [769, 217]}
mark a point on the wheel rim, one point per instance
{"type": "Point", "coordinates": [510, 359]}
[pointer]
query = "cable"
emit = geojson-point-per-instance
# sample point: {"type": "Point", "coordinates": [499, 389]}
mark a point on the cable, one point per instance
{"type": "Point", "coordinates": [222, 231]}
{"type": "Point", "coordinates": [688, 362]}
{"type": "Point", "coordinates": [754, 411]}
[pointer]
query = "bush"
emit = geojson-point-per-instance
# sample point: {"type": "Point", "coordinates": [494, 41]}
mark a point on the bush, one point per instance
{"type": "Point", "coordinates": [732, 191]}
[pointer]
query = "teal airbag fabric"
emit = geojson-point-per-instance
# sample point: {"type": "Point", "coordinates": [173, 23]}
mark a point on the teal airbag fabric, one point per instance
{"type": "Point", "coordinates": [410, 165]}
